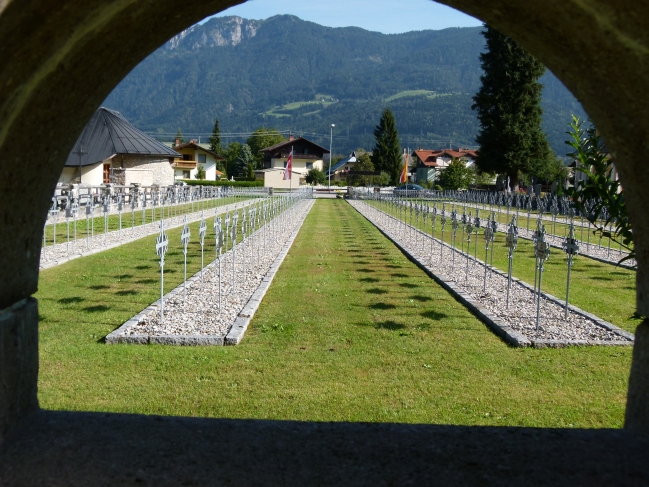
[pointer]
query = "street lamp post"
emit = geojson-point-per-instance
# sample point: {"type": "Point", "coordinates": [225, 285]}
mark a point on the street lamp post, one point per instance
{"type": "Point", "coordinates": [331, 139]}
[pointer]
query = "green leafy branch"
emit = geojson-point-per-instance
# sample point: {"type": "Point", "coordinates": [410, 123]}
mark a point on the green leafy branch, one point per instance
{"type": "Point", "coordinates": [595, 163]}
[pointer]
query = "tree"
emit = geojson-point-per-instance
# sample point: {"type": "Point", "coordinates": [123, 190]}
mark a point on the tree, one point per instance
{"type": "Point", "coordinates": [599, 193]}
{"type": "Point", "coordinates": [231, 155]}
{"type": "Point", "coordinates": [179, 137]}
{"type": "Point", "coordinates": [244, 160]}
{"type": "Point", "coordinates": [363, 163]}
{"type": "Point", "coordinates": [215, 139]}
{"type": "Point", "coordinates": [315, 177]}
{"type": "Point", "coordinates": [456, 175]}
{"type": "Point", "coordinates": [387, 151]}
{"type": "Point", "coordinates": [200, 172]}
{"type": "Point", "coordinates": [509, 111]}
{"type": "Point", "coordinates": [260, 139]}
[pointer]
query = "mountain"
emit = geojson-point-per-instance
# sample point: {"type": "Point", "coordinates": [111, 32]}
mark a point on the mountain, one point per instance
{"type": "Point", "coordinates": [296, 75]}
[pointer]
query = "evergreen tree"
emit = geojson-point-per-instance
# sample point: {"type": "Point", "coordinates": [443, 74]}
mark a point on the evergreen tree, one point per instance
{"type": "Point", "coordinates": [215, 139]}
{"type": "Point", "coordinates": [509, 111]}
{"type": "Point", "coordinates": [231, 156]}
{"type": "Point", "coordinates": [244, 160]}
{"type": "Point", "coordinates": [179, 137]}
{"type": "Point", "coordinates": [387, 151]}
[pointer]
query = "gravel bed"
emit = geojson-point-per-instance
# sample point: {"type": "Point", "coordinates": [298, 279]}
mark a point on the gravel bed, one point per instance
{"type": "Point", "coordinates": [592, 249]}
{"type": "Point", "coordinates": [61, 252]}
{"type": "Point", "coordinates": [521, 314]}
{"type": "Point", "coordinates": [200, 314]}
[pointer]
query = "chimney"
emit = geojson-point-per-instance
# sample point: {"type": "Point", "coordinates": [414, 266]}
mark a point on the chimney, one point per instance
{"type": "Point", "coordinates": [193, 141]}
{"type": "Point", "coordinates": [177, 143]}
{"type": "Point", "coordinates": [291, 137]}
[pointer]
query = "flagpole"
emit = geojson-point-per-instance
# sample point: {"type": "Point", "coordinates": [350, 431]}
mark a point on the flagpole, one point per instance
{"type": "Point", "coordinates": [290, 175]}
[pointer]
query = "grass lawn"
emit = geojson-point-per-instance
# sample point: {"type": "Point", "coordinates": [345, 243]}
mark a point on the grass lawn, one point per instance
{"type": "Point", "coordinates": [603, 289]}
{"type": "Point", "coordinates": [349, 331]}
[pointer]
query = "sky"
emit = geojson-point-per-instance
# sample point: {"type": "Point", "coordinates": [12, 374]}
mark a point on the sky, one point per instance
{"type": "Point", "coordinates": [387, 16]}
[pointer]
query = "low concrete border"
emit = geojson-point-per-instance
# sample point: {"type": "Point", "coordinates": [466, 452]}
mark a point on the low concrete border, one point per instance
{"type": "Point", "coordinates": [500, 328]}
{"type": "Point", "coordinates": [238, 328]}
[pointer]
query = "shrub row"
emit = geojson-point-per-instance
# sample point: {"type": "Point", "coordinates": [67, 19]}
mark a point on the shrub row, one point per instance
{"type": "Point", "coordinates": [239, 184]}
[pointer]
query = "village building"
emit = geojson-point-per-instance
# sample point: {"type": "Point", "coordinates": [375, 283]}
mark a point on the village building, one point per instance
{"type": "Point", "coordinates": [274, 178]}
{"type": "Point", "coordinates": [307, 155]}
{"type": "Point", "coordinates": [192, 156]}
{"type": "Point", "coordinates": [429, 163]}
{"type": "Point", "coordinates": [340, 170]}
{"type": "Point", "coordinates": [111, 150]}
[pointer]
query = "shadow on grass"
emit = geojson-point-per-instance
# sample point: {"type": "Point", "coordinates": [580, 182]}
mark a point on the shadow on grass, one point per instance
{"type": "Point", "coordinates": [601, 278]}
{"type": "Point", "coordinates": [143, 267]}
{"type": "Point", "coordinates": [369, 279]}
{"type": "Point", "coordinates": [420, 298]}
{"type": "Point", "coordinates": [376, 290]}
{"type": "Point", "coordinates": [95, 309]}
{"type": "Point", "coordinates": [127, 293]}
{"type": "Point", "coordinates": [124, 276]}
{"type": "Point", "coordinates": [434, 315]}
{"type": "Point", "coordinates": [408, 285]}
{"type": "Point", "coordinates": [74, 299]}
{"type": "Point", "coordinates": [365, 270]}
{"type": "Point", "coordinates": [389, 325]}
{"type": "Point", "coordinates": [147, 281]}
{"type": "Point", "coordinates": [98, 287]}
{"type": "Point", "coordinates": [398, 274]}
{"type": "Point", "coordinates": [381, 306]}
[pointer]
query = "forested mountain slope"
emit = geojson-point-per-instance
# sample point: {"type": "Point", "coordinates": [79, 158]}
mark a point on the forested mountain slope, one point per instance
{"type": "Point", "coordinates": [292, 74]}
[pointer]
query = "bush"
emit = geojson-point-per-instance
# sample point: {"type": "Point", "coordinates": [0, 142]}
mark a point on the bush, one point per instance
{"type": "Point", "coordinates": [238, 184]}
{"type": "Point", "coordinates": [316, 176]}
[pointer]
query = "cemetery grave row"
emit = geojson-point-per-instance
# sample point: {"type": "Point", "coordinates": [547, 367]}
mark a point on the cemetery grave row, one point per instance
{"type": "Point", "coordinates": [73, 228]}
{"type": "Point", "coordinates": [552, 210]}
{"type": "Point", "coordinates": [524, 314]}
{"type": "Point", "coordinates": [208, 308]}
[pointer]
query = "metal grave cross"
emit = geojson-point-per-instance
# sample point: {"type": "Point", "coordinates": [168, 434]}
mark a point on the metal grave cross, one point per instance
{"type": "Point", "coordinates": [184, 239]}
{"type": "Point", "coordinates": [202, 230]}
{"type": "Point", "coordinates": [511, 241]}
{"type": "Point", "coordinates": [570, 246]}
{"type": "Point", "coordinates": [161, 247]}
{"type": "Point", "coordinates": [542, 253]}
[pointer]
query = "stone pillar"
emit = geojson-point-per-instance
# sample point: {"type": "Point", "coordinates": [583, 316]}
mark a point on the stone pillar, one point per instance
{"type": "Point", "coordinates": [18, 362]}
{"type": "Point", "coordinates": [637, 403]}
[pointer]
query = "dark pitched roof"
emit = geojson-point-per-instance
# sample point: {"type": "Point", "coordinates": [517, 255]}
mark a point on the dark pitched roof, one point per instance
{"type": "Point", "coordinates": [288, 143]}
{"type": "Point", "coordinates": [108, 133]}
{"type": "Point", "coordinates": [195, 146]}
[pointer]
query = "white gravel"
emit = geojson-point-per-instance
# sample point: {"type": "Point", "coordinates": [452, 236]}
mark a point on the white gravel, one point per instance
{"type": "Point", "coordinates": [202, 313]}
{"type": "Point", "coordinates": [521, 314]}
{"type": "Point", "coordinates": [63, 251]}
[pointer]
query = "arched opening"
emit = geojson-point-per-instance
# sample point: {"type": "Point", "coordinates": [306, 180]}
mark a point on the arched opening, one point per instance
{"type": "Point", "coordinates": [59, 73]}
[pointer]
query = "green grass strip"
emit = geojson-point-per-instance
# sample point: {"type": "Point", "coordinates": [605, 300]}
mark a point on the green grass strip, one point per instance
{"type": "Point", "coordinates": [350, 330]}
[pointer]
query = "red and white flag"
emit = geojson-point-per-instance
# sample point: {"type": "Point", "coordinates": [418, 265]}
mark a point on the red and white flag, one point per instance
{"type": "Point", "coordinates": [289, 166]}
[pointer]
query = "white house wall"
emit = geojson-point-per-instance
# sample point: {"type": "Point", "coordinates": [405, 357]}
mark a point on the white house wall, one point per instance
{"type": "Point", "coordinates": [93, 174]}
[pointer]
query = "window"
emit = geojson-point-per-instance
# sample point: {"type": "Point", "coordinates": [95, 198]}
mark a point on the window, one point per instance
{"type": "Point", "coordinates": [285, 163]}
{"type": "Point", "coordinates": [306, 151]}
{"type": "Point", "coordinates": [186, 175]}
{"type": "Point", "coordinates": [187, 157]}
{"type": "Point", "coordinates": [309, 165]}
{"type": "Point", "coordinates": [106, 173]}
{"type": "Point", "coordinates": [202, 158]}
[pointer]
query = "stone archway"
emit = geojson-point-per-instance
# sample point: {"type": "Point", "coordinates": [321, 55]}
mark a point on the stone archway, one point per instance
{"type": "Point", "coordinates": [60, 59]}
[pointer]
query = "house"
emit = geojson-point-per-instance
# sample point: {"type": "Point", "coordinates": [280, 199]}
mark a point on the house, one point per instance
{"type": "Point", "coordinates": [274, 178]}
{"type": "Point", "coordinates": [191, 157]}
{"type": "Point", "coordinates": [429, 163]}
{"type": "Point", "coordinates": [307, 155]}
{"type": "Point", "coordinates": [111, 150]}
{"type": "Point", "coordinates": [340, 170]}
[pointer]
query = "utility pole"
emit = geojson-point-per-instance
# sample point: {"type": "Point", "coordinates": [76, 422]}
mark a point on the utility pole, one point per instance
{"type": "Point", "coordinates": [331, 139]}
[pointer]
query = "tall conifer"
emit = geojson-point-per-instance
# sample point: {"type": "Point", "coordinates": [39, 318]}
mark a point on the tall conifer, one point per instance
{"type": "Point", "coordinates": [215, 139]}
{"type": "Point", "coordinates": [508, 105]}
{"type": "Point", "coordinates": [387, 151]}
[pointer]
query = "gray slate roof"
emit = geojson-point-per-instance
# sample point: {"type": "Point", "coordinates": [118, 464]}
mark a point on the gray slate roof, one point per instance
{"type": "Point", "coordinates": [108, 133]}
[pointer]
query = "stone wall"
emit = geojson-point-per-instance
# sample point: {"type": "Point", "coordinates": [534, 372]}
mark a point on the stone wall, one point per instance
{"type": "Point", "coordinates": [142, 169]}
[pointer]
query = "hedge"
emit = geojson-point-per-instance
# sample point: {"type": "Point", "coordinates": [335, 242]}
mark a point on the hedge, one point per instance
{"type": "Point", "coordinates": [240, 184]}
